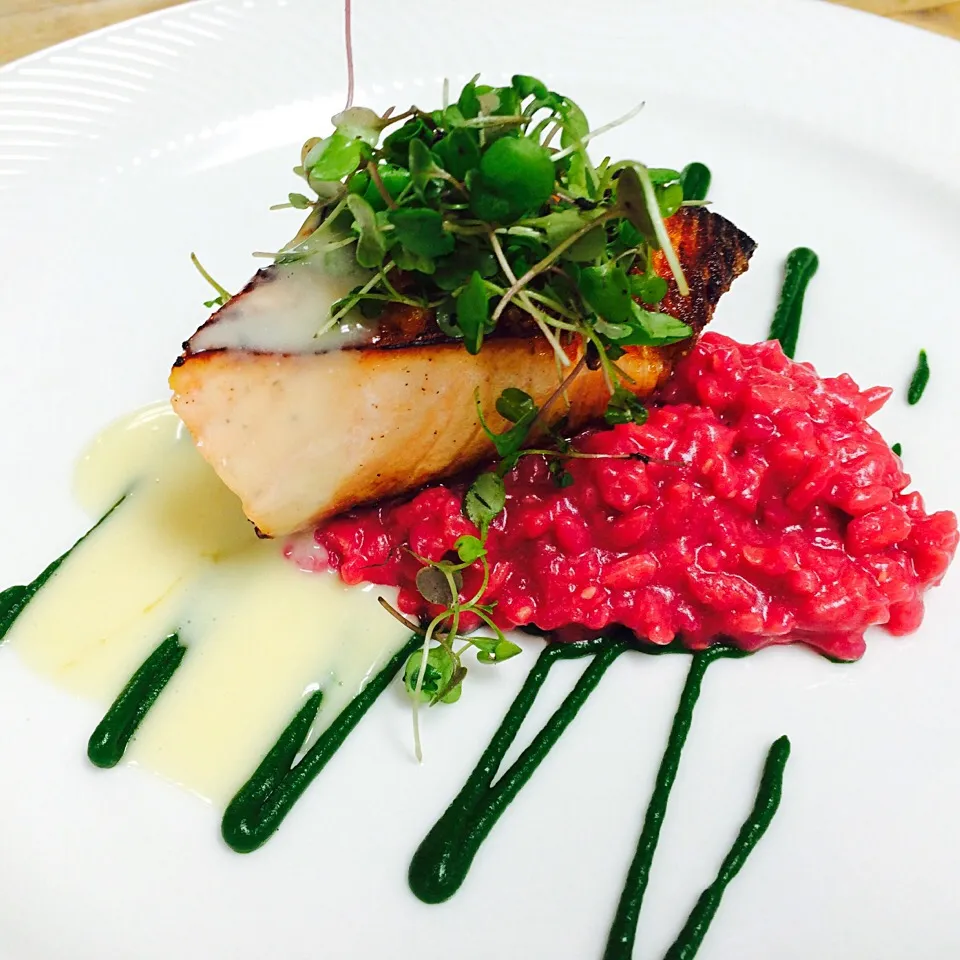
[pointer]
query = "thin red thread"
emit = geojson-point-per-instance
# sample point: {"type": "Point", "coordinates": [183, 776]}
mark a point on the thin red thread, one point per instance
{"type": "Point", "coordinates": [349, 41]}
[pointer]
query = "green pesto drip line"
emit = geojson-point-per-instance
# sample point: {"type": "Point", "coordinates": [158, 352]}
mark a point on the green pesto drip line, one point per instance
{"type": "Point", "coordinates": [801, 265]}
{"type": "Point", "coordinates": [623, 931]}
{"type": "Point", "coordinates": [109, 741]}
{"type": "Point", "coordinates": [14, 599]}
{"type": "Point", "coordinates": [695, 181]}
{"type": "Point", "coordinates": [918, 382]}
{"type": "Point", "coordinates": [443, 859]}
{"type": "Point", "coordinates": [261, 804]}
{"type": "Point", "coordinates": [687, 944]}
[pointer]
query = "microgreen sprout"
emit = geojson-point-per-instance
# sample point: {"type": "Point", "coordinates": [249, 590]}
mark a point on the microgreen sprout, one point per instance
{"type": "Point", "coordinates": [435, 673]}
{"type": "Point", "coordinates": [223, 295]}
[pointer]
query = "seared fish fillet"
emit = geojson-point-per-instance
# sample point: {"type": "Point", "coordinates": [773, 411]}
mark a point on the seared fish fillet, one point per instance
{"type": "Point", "coordinates": [301, 429]}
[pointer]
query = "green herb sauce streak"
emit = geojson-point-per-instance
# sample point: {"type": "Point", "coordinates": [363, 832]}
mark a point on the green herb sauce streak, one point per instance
{"type": "Point", "coordinates": [109, 741]}
{"type": "Point", "coordinates": [263, 802]}
{"type": "Point", "coordinates": [623, 931]}
{"type": "Point", "coordinates": [695, 181]}
{"type": "Point", "coordinates": [687, 944]}
{"type": "Point", "coordinates": [14, 599]}
{"type": "Point", "coordinates": [801, 266]}
{"type": "Point", "coordinates": [918, 382]}
{"type": "Point", "coordinates": [443, 859]}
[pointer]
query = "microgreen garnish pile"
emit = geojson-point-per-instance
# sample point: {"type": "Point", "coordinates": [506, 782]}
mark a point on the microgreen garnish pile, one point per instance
{"type": "Point", "coordinates": [492, 201]}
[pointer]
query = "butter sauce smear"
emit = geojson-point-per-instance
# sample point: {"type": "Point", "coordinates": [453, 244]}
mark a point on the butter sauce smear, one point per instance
{"type": "Point", "coordinates": [781, 516]}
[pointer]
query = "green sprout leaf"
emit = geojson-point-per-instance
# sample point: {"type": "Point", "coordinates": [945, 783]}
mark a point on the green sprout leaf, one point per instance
{"type": "Point", "coordinates": [421, 231]}
{"type": "Point", "coordinates": [670, 199]}
{"type": "Point", "coordinates": [560, 475]}
{"type": "Point", "coordinates": [393, 178]}
{"type": "Point", "coordinates": [468, 101]}
{"type": "Point", "coordinates": [446, 317]}
{"type": "Point", "coordinates": [575, 125]}
{"type": "Point", "coordinates": [607, 290]}
{"type": "Point", "coordinates": [459, 152]}
{"type": "Point", "coordinates": [563, 224]}
{"type": "Point", "coordinates": [436, 678]}
{"type": "Point", "coordinates": [499, 651]}
{"type": "Point", "coordinates": [662, 175]}
{"type": "Point", "coordinates": [371, 245]}
{"type": "Point", "coordinates": [511, 403]}
{"type": "Point", "coordinates": [451, 117]}
{"type": "Point", "coordinates": [498, 101]}
{"type": "Point", "coordinates": [528, 86]}
{"type": "Point", "coordinates": [516, 406]}
{"type": "Point", "coordinates": [423, 167]}
{"type": "Point", "coordinates": [631, 197]}
{"type": "Point", "coordinates": [515, 176]}
{"type": "Point", "coordinates": [695, 180]}
{"type": "Point", "coordinates": [613, 331]}
{"type": "Point", "coordinates": [469, 548]}
{"type": "Point", "coordinates": [589, 247]}
{"type": "Point", "coordinates": [299, 201]}
{"type": "Point", "coordinates": [473, 312]}
{"type": "Point", "coordinates": [649, 288]}
{"type": "Point", "coordinates": [410, 262]}
{"type": "Point", "coordinates": [396, 146]}
{"type": "Point", "coordinates": [652, 329]}
{"type": "Point", "coordinates": [360, 123]}
{"type": "Point", "coordinates": [454, 687]}
{"type": "Point", "coordinates": [560, 225]}
{"type": "Point", "coordinates": [484, 500]}
{"type": "Point", "coordinates": [454, 271]}
{"type": "Point", "coordinates": [624, 407]}
{"type": "Point", "coordinates": [628, 235]}
{"type": "Point", "coordinates": [333, 158]}
{"type": "Point", "coordinates": [434, 586]}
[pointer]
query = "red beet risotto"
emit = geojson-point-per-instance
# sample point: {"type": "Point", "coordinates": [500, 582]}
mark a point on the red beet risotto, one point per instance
{"type": "Point", "coordinates": [780, 517]}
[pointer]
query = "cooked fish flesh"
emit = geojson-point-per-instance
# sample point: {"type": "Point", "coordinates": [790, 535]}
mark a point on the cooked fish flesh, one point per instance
{"type": "Point", "coordinates": [302, 428]}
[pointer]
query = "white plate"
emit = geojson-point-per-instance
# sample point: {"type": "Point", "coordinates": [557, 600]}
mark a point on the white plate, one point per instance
{"type": "Point", "coordinates": [123, 151]}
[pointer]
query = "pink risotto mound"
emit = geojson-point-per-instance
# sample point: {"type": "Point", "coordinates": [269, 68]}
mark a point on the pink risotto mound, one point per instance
{"type": "Point", "coordinates": [781, 516]}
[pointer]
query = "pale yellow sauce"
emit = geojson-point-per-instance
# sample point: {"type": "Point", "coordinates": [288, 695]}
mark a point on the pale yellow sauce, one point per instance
{"type": "Point", "coordinates": [177, 555]}
{"type": "Point", "coordinates": [286, 307]}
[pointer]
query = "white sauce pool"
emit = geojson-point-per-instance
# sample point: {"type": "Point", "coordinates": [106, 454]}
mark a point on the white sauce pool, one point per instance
{"type": "Point", "coordinates": [178, 555]}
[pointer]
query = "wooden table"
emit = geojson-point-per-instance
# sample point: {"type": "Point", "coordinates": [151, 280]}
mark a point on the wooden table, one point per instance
{"type": "Point", "coordinates": [28, 25]}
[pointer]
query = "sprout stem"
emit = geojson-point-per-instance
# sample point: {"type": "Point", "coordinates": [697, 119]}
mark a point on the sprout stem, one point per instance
{"type": "Point", "coordinates": [561, 354]}
{"type": "Point", "coordinates": [206, 276]}
{"type": "Point", "coordinates": [661, 231]}
{"type": "Point", "coordinates": [629, 115]}
{"type": "Point", "coordinates": [378, 183]}
{"type": "Point", "coordinates": [550, 258]}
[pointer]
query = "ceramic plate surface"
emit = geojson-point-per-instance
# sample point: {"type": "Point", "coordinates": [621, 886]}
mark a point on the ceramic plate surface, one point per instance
{"type": "Point", "coordinates": [123, 151]}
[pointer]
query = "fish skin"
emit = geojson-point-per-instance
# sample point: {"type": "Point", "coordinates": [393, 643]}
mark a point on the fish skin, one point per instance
{"type": "Point", "coordinates": [302, 437]}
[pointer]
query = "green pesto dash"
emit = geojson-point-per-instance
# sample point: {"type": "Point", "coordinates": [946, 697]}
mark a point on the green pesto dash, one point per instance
{"type": "Point", "coordinates": [918, 382]}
